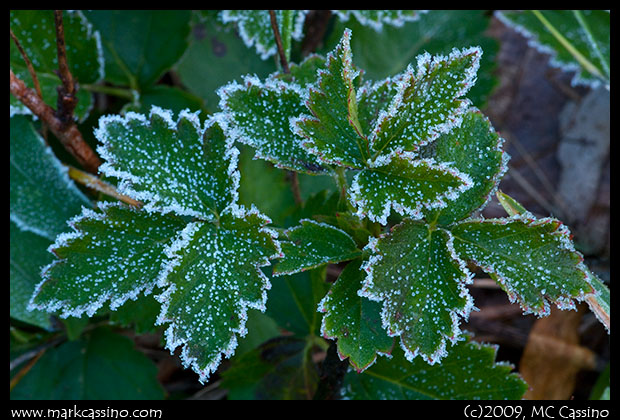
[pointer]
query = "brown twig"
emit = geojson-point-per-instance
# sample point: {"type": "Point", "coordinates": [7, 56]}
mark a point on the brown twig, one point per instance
{"type": "Point", "coordinates": [332, 375]}
{"type": "Point", "coordinates": [97, 184]}
{"type": "Point", "coordinates": [33, 74]}
{"type": "Point", "coordinates": [276, 34]}
{"type": "Point", "coordinates": [68, 134]}
{"type": "Point", "coordinates": [315, 27]}
{"type": "Point", "coordinates": [66, 92]}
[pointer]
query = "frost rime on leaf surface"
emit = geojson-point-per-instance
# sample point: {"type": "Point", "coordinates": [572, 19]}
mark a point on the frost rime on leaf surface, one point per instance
{"type": "Point", "coordinates": [312, 244]}
{"type": "Point", "coordinates": [212, 278]}
{"type": "Point", "coordinates": [377, 18]}
{"type": "Point", "coordinates": [171, 166]}
{"type": "Point", "coordinates": [112, 255]}
{"type": "Point", "coordinates": [406, 184]}
{"type": "Point", "coordinates": [354, 321]}
{"type": "Point", "coordinates": [415, 273]}
{"type": "Point", "coordinates": [427, 103]}
{"type": "Point", "coordinates": [534, 260]}
{"type": "Point", "coordinates": [332, 132]}
{"type": "Point", "coordinates": [257, 114]}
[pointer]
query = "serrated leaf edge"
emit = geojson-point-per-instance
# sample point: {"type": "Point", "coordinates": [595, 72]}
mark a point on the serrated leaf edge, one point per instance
{"type": "Point", "coordinates": [455, 315]}
{"type": "Point", "coordinates": [64, 240]}
{"type": "Point", "coordinates": [173, 341]}
{"type": "Point", "coordinates": [426, 63]}
{"type": "Point", "coordinates": [361, 204]}
{"type": "Point", "coordinates": [126, 178]}
{"type": "Point", "coordinates": [562, 232]}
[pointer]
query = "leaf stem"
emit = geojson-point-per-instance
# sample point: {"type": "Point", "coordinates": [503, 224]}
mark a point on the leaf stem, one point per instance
{"type": "Point", "coordinates": [276, 34]}
{"type": "Point", "coordinates": [33, 74]}
{"type": "Point", "coordinates": [110, 90]}
{"type": "Point", "coordinates": [66, 92]}
{"type": "Point", "coordinates": [97, 184]}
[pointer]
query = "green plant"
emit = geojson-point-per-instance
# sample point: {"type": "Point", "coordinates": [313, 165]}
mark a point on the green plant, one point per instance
{"type": "Point", "coordinates": [411, 144]}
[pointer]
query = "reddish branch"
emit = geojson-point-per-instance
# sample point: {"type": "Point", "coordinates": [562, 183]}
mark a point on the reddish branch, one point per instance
{"type": "Point", "coordinates": [67, 132]}
{"type": "Point", "coordinates": [66, 92]}
{"type": "Point", "coordinates": [33, 74]}
{"type": "Point", "coordinates": [276, 34]}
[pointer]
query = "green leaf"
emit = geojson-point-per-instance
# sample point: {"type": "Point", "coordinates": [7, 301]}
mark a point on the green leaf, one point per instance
{"type": "Point", "coordinates": [42, 197]}
{"type": "Point", "coordinates": [405, 184]}
{"type": "Point", "coordinates": [216, 56]}
{"type": "Point", "coordinates": [354, 321]}
{"type": "Point", "coordinates": [474, 149]}
{"type": "Point", "coordinates": [600, 301]}
{"type": "Point", "coordinates": [36, 32]}
{"type": "Point", "coordinates": [312, 244]}
{"type": "Point", "coordinates": [255, 28]}
{"type": "Point", "coordinates": [469, 372]}
{"type": "Point", "coordinates": [164, 96]}
{"type": "Point", "coordinates": [27, 254]}
{"type": "Point", "coordinates": [211, 280]}
{"type": "Point", "coordinates": [333, 132]}
{"type": "Point", "coordinates": [388, 52]}
{"type": "Point", "coordinates": [377, 18]}
{"type": "Point", "coordinates": [170, 166]}
{"type": "Point", "coordinates": [413, 271]}
{"type": "Point", "coordinates": [304, 73]}
{"type": "Point", "coordinates": [100, 366]}
{"type": "Point", "coordinates": [534, 260]}
{"type": "Point", "coordinates": [427, 103]}
{"type": "Point", "coordinates": [293, 301]}
{"type": "Point", "coordinates": [373, 98]}
{"type": "Point", "coordinates": [140, 314]}
{"type": "Point", "coordinates": [113, 255]}
{"type": "Point", "coordinates": [140, 45]}
{"type": "Point", "coordinates": [258, 114]}
{"type": "Point", "coordinates": [578, 40]}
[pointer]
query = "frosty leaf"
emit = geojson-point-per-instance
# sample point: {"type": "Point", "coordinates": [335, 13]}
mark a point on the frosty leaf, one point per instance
{"type": "Point", "coordinates": [372, 98]}
{"type": "Point", "coordinates": [600, 301]}
{"type": "Point", "coordinates": [578, 40]}
{"type": "Point", "coordinates": [36, 32]}
{"type": "Point", "coordinates": [354, 321]}
{"type": "Point", "coordinates": [427, 103]}
{"type": "Point", "coordinates": [171, 166]}
{"type": "Point", "coordinates": [42, 197]}
{"type": "Point", "coordinates": [377, 18]}
{"type": "Point", "coordinates": [27, 254]}
{"type": "Point", "coordinates": [304, 73]}
{"type": "Point", "coordinates": [258, 115]}
{"type": "Point", "coordinates": [534, 260]}
{"type": "Point", "coordinates": [213, 277]}
{"type": "Point", "coordinates": [255, 28]}
{"type": "Point", "coordinates": [414, 272]}
{"type": "Point", "coordinates": [140, 45]}
{"type": "Point", "coordinates": [475, 149]}
{"type": "Point", "coordinates": [333, 132]}
{"type": "Point", "coordinates": [101, 365]}
{"type": "Point", "coordinates": [469, 372]}
{"type": "Point", "coordinates": [405, 184]}
{"type": "Point", "coordinates": [113, 255]}
{"type": "Point", "coordinates": [312, 244]}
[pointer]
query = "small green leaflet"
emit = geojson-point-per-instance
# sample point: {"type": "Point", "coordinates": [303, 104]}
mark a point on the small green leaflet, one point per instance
{"type": "Point", "coordinates": [258, 115]}
{"type": "Point", "coordinates": [354, 321]}
{"type": "Point", "coordinates": [475, 149]}
{"type": "Point", "coordinates": [534, 260]}
{"type": "Point", "coordinates": [377, 18]}
{"type": "Point", "coordinates": [578, 40]}
{"type": "Point", "coordinates": [171, 166]}
{"type": "Point", "coordinates": [312, 244]}
{"type": "Point", "coordinates": [333, 132]}
{"type": "Point", "coordinates": [414, 272]}
{"type": "Point", "coordinates": [255, 28]}
{"type": "Point", "coordinates": [406, 184]}
{"type": "Point", "coordinates": [211, 280]}
{"type": "Point", "coordinates": [427, 103]}
{"type": "Point", "coordinates": [469, 372]}
{"type": "Point", "coordinates": [113, 255]}
{"type": "Point", "coordinates": [42, 197]}
{"type": "Point", "coordinates": [36, 32]}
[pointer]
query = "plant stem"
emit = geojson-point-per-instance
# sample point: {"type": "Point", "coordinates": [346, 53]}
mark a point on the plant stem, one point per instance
{"type": "Point", "coordinates": [97, 184]}
{"type": "Point", "coordinates": [276, 34]}
{"type": "Point", "coordinates": [66, 92]}
{"type": "Point", "coordinates": [33, 74]}
{"type": "Point", "coordinates": [110, 90]}
{"type": "Point", "coordinates": [68, 134]}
